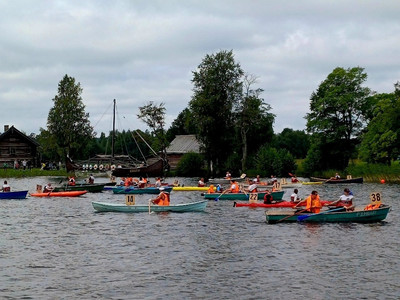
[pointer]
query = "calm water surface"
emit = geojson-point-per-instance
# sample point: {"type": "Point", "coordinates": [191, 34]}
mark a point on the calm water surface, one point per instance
{"type": "Point", "coordinates": [59, 248]}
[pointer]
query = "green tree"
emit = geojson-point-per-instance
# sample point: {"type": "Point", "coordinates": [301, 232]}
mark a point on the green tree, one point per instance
{"type": "Point", "coordinates": [67, 122]}
{"type": "Point", "coordinates": [381, 141]}
{"type": "Point", "coordinates": [182, 125]}
{"type": "Point", "coordinates": [297, 142]}
{"type": "Point", "coordinates": [217, 89]}
{"type": "Point", "coordinates": [154, 116]}
{"type": "Point", "coordinates": [338, 111]}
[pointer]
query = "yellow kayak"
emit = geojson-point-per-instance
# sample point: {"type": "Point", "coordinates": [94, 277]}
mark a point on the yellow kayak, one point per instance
{"type": "Point", "coordinates": [191, 188]}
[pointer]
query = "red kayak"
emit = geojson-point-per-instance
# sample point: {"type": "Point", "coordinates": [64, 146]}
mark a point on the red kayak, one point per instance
{"type": "Point", "coordinates": [60, 194]}
{"type": "Point", "coordinates": [277, 204]}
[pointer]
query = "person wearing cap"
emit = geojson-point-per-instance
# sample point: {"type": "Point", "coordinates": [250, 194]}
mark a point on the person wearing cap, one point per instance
{"type": "Point", "coordinates": [162, 199]}
{"type": "Point", "coordinates": [345, 201]}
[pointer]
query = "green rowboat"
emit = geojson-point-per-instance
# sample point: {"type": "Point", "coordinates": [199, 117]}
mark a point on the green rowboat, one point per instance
{"type": "Point", "coordinates": [182, 207]}
{"type": "Point", "coordinates": [356, 216]}
{"type": "Point", "coordinates": [242, 196]}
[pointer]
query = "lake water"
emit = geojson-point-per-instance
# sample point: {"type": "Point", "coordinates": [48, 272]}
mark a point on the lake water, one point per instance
{"type": "Point", "coordinates": [59, 248]}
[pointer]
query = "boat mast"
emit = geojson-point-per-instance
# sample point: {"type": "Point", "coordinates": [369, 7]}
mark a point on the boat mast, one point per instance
{"type": "Point", "coordinates": [113, 136]}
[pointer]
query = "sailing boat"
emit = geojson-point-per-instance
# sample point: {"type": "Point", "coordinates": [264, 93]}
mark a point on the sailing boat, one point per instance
{"type": "Point", "coordinates": [127, 166]}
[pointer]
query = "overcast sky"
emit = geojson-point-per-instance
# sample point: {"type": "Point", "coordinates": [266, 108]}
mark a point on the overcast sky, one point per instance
{"type": "Point", "coordinates": [141, 51]}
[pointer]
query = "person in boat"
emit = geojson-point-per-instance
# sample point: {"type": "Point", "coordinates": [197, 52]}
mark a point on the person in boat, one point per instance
{"type": "Point", "coordinates": [6, 187]}
{"type": "Point", "coordinates": [91, 179]}
{"type": "Point", "coordinates": [176, 182]}
{"type": "Point", "coordinates": [234, 188]}
{"type": "Point", "coordinates": [228, 175]}
{"type": "Point", "coordinates": [253, 187]}
{"type": "Point", "coordinates": [210, 189]}
{"type": "Point", "coordinates": [295, 197]}
{"type": "Point", "coordinates": [162, 199]}
{"type": "Point", "coordinates": [158, 182]}
{"type": "Point", "coordinates": [219, 188]}
{"type": "Point", "coordinates": [142, 182]}
{"type": "Point", "coordinates": [336, 177]}
{"type": "Point", "coordinates": [47, 188]}
{"type": "Point", "coordinates": [345, 201]}
{"type": "Point", "coordinates": [201, 183]}
{"type": "Point", "coordinates": [313, 203]}
{"type": "Point", "coordinates": [273, 179]}
{"type": "Point", "coordinates": [294, 179]}
{"type": "Point", "coordinates": [268, 198]}
{"type": "Point", "coordinates": [71, 181]}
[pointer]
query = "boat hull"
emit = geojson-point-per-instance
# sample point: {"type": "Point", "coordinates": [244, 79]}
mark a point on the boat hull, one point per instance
{"type": "Point", "coordinates": [183, 207]}
{"type": "Point", "coordinates": [357, 216]}
{"type": "Point", "coordinates": [191, 188]}
{"type": "Point", "coordinates": [152, 170]}
{"type": "Point", "coordinates": [224, 180]}
{"type": "Point", "coordinates": [133, 190]}
{"type": "Point", "coordinates": [13, 195]}
{"type": "Point", "coordinates": [281, 204]}
{"type": "Point", "coordinates": [60, 194]}
{"type": "Point", "coordinates": [242, 196]}
{"type": "Point", "coordinates": [338, 181]}
{"type": "Point", "coordinates": [91, 188]}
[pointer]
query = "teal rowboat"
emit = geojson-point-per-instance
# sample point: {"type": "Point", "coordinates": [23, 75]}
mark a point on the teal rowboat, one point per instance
{"type": "Point", "coordinates": [91, 188]}
{"type": "Point", "coordinates": [182, 207]}
{"type": "Point", "coordinates": [356, 216]}
{"type": "Point", "coordinates": [134, 190]}
{"type": "Point", "coordinates": [242, 196]}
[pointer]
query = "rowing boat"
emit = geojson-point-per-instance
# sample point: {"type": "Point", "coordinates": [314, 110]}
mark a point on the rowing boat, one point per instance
{"type": "Point", "coordinates": [91, 188]}
{"type": "Point", "coordinates": [13, 195]}
{"type": "Point", "coordinates": [243, 196]}
{"type": "Point", "coordinates": [279, 204]}
{"type": "Point", "coordinates": [227, 180]}
{"type": "Point", "coordinates": [191, 188]}
{"type": "Point", "coordinates": [356, 216]}
{"type": "Point", "coordinates": [181, 207]}
{"type": "Point", "coordinates": [146, 190]}
{"type": "Point", "coordinates": [60, 194]}
{"type": "Point", "coordinates": [337, 181]}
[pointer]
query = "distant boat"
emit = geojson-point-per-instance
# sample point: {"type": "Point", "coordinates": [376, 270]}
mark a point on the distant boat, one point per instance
{"type": "Point", "coordinates": [59, 194]}
{"type": "Point", "coordinates": [335, 181]}
{"type": "Point", "coordinates": [91, 188]}
{"type": "Point", "coordinates": [182, 207]}
{"type": "Point", "coordinates": [242, 196]}
{"type": "Point", "coordinates": [135, 190]}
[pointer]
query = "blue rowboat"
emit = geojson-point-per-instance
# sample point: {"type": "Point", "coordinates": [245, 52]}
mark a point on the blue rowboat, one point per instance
{"type": "Point", "coordinates": [134, 190]}
{"type": "Point", "coordinates": [181, 207]}
{"type": "Point", "coordinates": [13, 195]}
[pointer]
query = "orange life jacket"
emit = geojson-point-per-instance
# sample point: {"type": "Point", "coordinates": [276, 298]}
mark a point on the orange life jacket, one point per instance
{"type": "Point", "coordinates": [313, 205]}
{"type": "Point", "coordinates": [235, 188]}
{"type": "Point", "coordinates": [210, 189]}
{"type": "Point", "coordinates": [162, 199]}
{"type": "Point", "coordinates": [372, 206]}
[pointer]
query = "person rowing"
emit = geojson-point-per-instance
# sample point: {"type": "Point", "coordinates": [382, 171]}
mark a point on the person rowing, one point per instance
{"type": "Point", "coordinates": [345, 201]}
{"type": "Point", "coordinates": [162, 199]}
{"type": "Point", "coordinates": [313, 203]}
{"type": "Point", "coordinates": [234, 187]}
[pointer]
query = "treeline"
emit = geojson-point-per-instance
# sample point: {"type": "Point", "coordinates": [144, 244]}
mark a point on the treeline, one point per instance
{"type": "Point", "coordinates": [234, 124]}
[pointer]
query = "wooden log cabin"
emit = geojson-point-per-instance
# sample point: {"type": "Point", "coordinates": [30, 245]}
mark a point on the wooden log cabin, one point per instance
{"type": "Point", "coordinates": [181, 145]}
{"type": "Point", "coordinates": [17, 147]}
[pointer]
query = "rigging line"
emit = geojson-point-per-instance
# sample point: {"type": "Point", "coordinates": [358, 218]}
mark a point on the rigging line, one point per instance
{"type": "Point", "coordinates": [102, 115]}
{"type": "Point", "coordinates": [147, 143]}
{"type": "Point", "coordinates": [125, 144]}
{"type": "Point", "coordinates": [140, 150]}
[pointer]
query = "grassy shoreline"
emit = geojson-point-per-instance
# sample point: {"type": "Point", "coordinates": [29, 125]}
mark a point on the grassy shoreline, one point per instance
{"type": "Point", "coordinates": [13, 173]}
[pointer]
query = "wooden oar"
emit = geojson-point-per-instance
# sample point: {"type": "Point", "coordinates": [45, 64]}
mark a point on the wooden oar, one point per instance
{"type": "Point", "coordinates": [295, 214]}
{"type": "Point", "coordinates": [301, 218]}
{"type": "Point", "coordinates": [149, 206]}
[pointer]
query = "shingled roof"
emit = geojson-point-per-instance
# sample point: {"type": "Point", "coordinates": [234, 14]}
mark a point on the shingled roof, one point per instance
{"type": "Point", "coordinates": [183, 144]}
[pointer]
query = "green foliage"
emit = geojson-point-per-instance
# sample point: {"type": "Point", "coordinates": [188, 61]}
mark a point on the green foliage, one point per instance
{"type": "Point", "coordinates": [191, 164]}
{"type": "Point", "coordinates": [184, 124]}
{"type": "Point", "coordinates": [297, 142]}
{"type": "Point", "coordinates": [381, 141]}
{"type": "Point", "coordinates": [217, 88]}
{"type": "Point", "coordinates": [339, 110]}
{"type": "Point", "coordinates": [12, 173]}
{"type": "Point", "coordinates": [67, 122]}
{"type": "Point", "coordinates": [271, 161]}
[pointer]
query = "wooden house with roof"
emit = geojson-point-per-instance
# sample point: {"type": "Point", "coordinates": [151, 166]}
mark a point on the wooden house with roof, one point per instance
{"type": "Point", "coordinates": [16, 146]}
{"type": "Point", "coordinates": [181, 145]}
